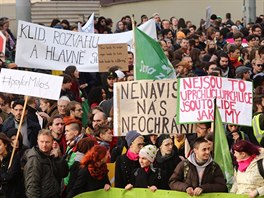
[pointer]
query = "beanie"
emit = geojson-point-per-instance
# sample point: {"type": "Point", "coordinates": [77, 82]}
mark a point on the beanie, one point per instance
{"type": "Point", "coordinates": [161, 138]}
{"type": "Point", "coordinates": [131, 136]}
{"type": "Point", "coordinates": [149, 152]}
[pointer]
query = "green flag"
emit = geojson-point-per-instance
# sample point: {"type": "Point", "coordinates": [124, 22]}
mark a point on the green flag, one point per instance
{"type": "Point", "coordinates": [221, 150]}
{"type": "Point", "coordinates": [151, 62]}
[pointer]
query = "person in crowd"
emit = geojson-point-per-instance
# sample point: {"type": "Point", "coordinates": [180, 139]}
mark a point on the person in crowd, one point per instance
{"type": "Point", "coordinates": [146, 176]}
{"type": "Point", "coordinates": [228, 70]}
{"type": "Point", "coordinates": [234, 134]}
{"type": "Point", "coordinates": [12, 182]}
{"type": "Point", "coordinates": [73, 134]}
{"type": "Point", "coordinates": [257, 120]}
{"type": "Point", "coordinates": [83, 146]}
{"type": "Point", "coordinates": [243, 73]}
{"type": "Point", "coordinates": [199, 173]}
{"type": "Point", "coordinates": [103, 135]}
{"type": "Point", "coordinates": [56, 126]}
{"type": "Point", "coordinates": [96, 96]}
{"type": "Point", "coordinates": [167, 158]}
{"type": "Point", "coordinates": [100, 25]}
{"type": "Point", "coordinates": [48, 109]}
{"type": "Point", "coordinates": [257, 67]}
{"type": "Point", "coordinates": [29, 129]}
{"type": "Point", "coordinates": [74, 110]}
{"type": "Point", "coordinates": [93, 174]}
{"type": "Point", "coordinates": [126, 163]}
{"type": "Point", "coordinates": [75, 87]}
{"type": "Point", "coordinates": [109, 88]}
{"type": "Point", "coordinates": [249, 177]}
{"type": "Point", "coordinates": [66, 87]}
{"type": "Point", "coordinates": [61, 105]}
{"type": "Point", "coordinates": [44, 169]}
{"type": "Point", "coordinates": [201, 130]}
{"type": "Point", "coordinates": [99, 119]}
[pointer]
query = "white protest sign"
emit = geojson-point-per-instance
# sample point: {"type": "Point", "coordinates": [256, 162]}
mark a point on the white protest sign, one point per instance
{"type": "Point", "coordinates": [234, 99]}
{"type": "Point", "coordinates": [89, 25]}
{"type": "Point", "coordinates": [30, 83]}
{"type": "Point", "coordinates": [49, 48]}
{"type": "Point", "coordinates": [147, 106]}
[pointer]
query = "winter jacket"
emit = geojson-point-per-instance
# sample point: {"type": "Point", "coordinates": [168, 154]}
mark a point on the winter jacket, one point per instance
{"type": "Point", "coordinates": [167, 164]}
{"type": "Point", "coordinates": [32, 129]}
{"type": "Point", "coordinates": [43, 174]}
{"type": "Point", "coordinates": [85, 182]}
{"type": "Point", "coordinates": [185, 175]}
{"type": "Point", "coordinates": [123, 170]}
{"type": "Point", "coordinates": [245, 182]}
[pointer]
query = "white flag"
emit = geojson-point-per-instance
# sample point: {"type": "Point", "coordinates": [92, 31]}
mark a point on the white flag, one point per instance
{"type": "Point", "coordinates": [89, 26]}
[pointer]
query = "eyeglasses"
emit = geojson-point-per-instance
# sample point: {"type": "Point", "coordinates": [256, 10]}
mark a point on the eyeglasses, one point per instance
{"type": "Point", "coordinates": [140, 144]}
{"type": "Point", "coordinates": [201, 127]}
{"type": "Point", "coordinates": [259, 65]}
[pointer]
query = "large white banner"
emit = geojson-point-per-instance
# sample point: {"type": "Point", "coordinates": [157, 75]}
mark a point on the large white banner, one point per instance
{"type": "Point", "coordinates": [49, 48]}
{"type": "Point", "coordinates": [196, 99]}
{"type": "Point", "coordinates": [147, 106]}
{"type": "Point", "coordinates": [30, 83]}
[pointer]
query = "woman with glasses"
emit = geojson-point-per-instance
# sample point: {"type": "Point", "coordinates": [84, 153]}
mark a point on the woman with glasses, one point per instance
{"type": "Point", "coordinates": [128, 162]}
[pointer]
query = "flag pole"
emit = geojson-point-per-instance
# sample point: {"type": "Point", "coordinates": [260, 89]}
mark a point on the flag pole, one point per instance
{"type": "Point", "coordinates": [134, 45]}
{"type": "Point", "coordinates": [214, 126]}
{"type": "Point", "coordinates": [18, 131]}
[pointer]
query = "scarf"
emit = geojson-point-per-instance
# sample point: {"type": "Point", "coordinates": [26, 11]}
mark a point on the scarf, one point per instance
{"type": "Point", "coordinates": [132, 156]}
{"type": "Point", "coordinates": [98, 172]}
{"type": "Point", "coordinates": [162, 159]}
{"type": "Point", "coordinates": [243, 164]}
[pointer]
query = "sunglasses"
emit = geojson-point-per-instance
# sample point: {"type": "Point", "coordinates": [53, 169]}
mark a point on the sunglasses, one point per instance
{"type": "Point", "coordinates": [260, 65]}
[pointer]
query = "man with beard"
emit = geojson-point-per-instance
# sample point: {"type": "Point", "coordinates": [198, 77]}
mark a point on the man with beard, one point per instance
{"type": "Point", "coordinates": [227, 70]}
{"type": "Point", "coordinates": [198, 173]}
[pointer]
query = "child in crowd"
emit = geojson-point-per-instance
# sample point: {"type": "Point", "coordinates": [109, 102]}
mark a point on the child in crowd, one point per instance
{"type": "Point", "coordinates": [146, 176]}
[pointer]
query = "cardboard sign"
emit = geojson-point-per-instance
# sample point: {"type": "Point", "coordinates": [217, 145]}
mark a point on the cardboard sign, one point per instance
{"type": "Point", "coordinates": [234, 99]}
{"type": "Point", "coordinates": [112, 55]}
{"type": "Point", "coordinates": [55, 49]}
{"type": "Point", "coordinates": [148, 107]}
{"type": "Point", "coordinates": [30, 83]}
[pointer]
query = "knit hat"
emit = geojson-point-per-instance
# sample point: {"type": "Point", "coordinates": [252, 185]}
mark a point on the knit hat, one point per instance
{"type": "Point", "coordinates": [112, 75]}
{"type": "Point", "coordinates": [131, 136]}
{"type": "Point", "coordinates": [242, 69]}
{"type": "Point", "coordinates": [149, 152]}
{"type": "Point", "coordinates": [161, 138]}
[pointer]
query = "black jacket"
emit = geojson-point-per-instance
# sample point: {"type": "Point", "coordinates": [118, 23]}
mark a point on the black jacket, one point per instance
{"type": "Point", "coordinates": [43, 174]}
{"type": "Point", "coordinates": [85, 182]}
{"type": "Point", "coordinates": [32, 129]}
{"type": "Point", "coordinates": [167, 164]}
{"type": "Point", "coordinates": [123, 170]}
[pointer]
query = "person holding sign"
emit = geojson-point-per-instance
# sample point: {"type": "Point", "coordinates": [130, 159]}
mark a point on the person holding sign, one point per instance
{"type": "Point", "coordinates": [198, 173]}
{"type": "Point", "coordinates": [29, 129]}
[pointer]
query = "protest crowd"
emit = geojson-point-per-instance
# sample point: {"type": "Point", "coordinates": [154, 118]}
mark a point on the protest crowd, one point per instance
{"type": "Point", "coordinates": [64, 146]}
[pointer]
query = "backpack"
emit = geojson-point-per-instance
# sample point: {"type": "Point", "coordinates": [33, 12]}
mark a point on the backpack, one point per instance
{"type": "Point", "coordinates": [260, 167]}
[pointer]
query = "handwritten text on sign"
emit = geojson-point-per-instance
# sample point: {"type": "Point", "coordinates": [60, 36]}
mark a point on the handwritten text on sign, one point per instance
{"type": "Point", "coordinates": [147, 106]}
{"type": "Point", "coordinates": [112, 55]}
{"type": "Point", "coordinates": [55, 49]}
{"type": "Point", "coordinates": [234, 99]}
{"type": "Point", "coordinates": [30, 83]}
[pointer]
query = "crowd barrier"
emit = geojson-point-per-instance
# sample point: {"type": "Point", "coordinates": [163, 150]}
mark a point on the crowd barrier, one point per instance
{"type": "Point", "coordinates": [146, 193]}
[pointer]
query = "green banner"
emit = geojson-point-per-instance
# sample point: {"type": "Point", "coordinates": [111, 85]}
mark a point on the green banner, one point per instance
{"type": "Point", "coordinates": [146, 193]}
